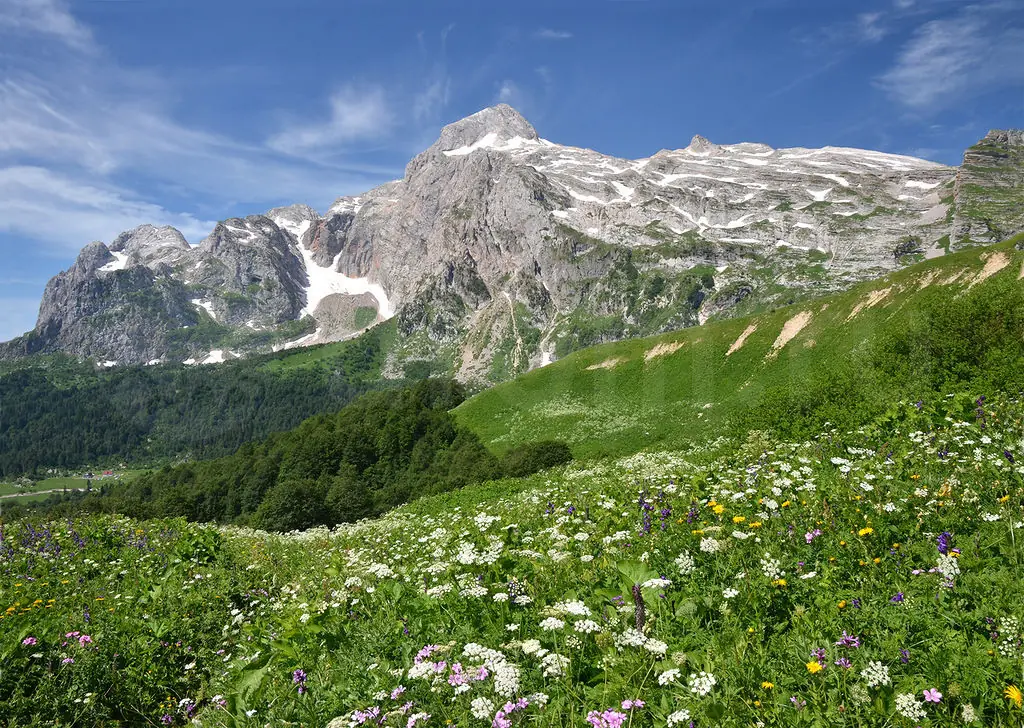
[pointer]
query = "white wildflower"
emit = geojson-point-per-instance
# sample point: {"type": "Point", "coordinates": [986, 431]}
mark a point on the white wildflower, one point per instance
{"type": "Point", "coordinates": [875, 674]}
{"type": "Point", "coordinates": [909, 706]}
{"type": "Point", "coordinates": [702, 683]}
{"type": "Point", "coordinates": [669, 677]}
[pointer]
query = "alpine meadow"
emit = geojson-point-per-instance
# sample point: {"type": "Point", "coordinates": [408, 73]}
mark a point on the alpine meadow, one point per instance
{"type": "Point", "coordinates": [369, 406]}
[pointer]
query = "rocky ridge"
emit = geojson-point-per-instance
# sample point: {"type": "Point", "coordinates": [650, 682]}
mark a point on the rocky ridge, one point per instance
{"type": "Point", "coordinates": [499, 250]}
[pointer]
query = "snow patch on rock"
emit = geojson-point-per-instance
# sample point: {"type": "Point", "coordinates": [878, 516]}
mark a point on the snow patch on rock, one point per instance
{"type": "Point", "coordinates": [120, 262]}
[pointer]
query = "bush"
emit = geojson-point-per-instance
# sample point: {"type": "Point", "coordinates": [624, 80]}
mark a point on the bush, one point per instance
{"type": "Point", "coordinates": [533, 457]}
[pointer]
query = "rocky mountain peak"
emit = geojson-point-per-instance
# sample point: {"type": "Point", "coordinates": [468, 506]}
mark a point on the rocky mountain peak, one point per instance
{"type": "Point", "coordinates": [150, 245]}
{"type": "Point", "coordinates": [501, 121]}
{"type": "Point", "coordinates": [701, 145]}
{"type": "Point", "coordinates": [93, 256]}
{"type": "Point", "coordinates": [294, 214]}
{"type": "Point", "coordinates": [1012, 137]}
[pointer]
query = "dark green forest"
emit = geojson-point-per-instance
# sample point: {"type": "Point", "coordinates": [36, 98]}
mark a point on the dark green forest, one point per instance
{"type": "Point", "coordinates": [382, 450]}
{"type": "Point", "coordinates": [63, 413]}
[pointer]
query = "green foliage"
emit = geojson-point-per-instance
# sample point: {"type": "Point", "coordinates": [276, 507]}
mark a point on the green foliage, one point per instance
{"type": "Point", "coordinates": [532, 457]}
{"type": "Point", "coordinates": [756, 561]}
{"type": "Point", "coordinates": [364, 316]}
{"type": "Point", "coordinates": [66, 414]}
{"type": "Point", "coordinates": [381, 450]}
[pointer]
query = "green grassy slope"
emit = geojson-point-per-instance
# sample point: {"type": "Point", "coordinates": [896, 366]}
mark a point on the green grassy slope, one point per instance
{"type": "Point", "coordinates": [932, 327]}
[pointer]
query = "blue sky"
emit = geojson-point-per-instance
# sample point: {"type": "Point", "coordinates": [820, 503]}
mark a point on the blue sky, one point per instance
{"type": "Point", "coordinates": [182, 112]}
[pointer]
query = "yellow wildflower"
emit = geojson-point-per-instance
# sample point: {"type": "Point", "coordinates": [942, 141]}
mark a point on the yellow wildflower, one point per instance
{"type": "Point", "coordinates": [739, 519]}
{"type": "Point", "coordinates": [767, 685]}
{"type": "Point", "coordinates": [1014, 695]}
{"type": "Point", "coordinates": [867, 531]}
{"type": "Point", "coordinates": [814, 666]}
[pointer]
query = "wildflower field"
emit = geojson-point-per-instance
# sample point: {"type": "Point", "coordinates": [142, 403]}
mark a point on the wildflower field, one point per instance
{"type": "Point", "coordinates": [864, 578]}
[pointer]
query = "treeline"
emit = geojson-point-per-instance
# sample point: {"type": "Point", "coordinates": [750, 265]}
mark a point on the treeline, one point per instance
{"type": "Point", "coordinates": [67, 414]}
{"type": "Point", "coordinates": [384, 449]}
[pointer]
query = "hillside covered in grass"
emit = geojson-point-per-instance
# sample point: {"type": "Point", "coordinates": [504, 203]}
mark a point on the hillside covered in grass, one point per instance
{"type": "Point", "coordinates": [956, 322]}
{"type": "Point", "coordinates": [864, 578]}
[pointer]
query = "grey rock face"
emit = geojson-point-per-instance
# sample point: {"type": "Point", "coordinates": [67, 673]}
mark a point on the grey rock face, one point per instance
{"type": "Point", "coordinates": [251, 271]}
{"type": "Point", "coordinates": [989, 192]}
{"type": "Point", "coordinates": [499, 250]}
{"type": "Point", "coordinates": [151, 246]}
{"type": "Point", "coordinates": [98, 309]}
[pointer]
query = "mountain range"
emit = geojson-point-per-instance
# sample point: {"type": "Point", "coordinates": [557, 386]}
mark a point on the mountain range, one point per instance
{"type": "Point", "coordinates": [500, 251]}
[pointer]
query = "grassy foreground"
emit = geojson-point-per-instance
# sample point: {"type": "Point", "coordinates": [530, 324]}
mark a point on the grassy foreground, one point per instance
{"type": "Point", "coordinates": [866, 578]}
{"type": "Point", "coordinates": [939, 326]}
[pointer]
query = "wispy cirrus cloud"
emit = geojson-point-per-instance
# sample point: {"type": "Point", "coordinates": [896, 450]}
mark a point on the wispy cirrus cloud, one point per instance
{"type": "Point", "coordinates": [89, 148]}
{"type": "Point", "coordinates": [45, 17]}
{"type": "Point", "coordinates": [29, 197]}
{"type": "Point", "coordinates": [870, 27]}
{"type": "Point", "coordinates": [950, 59]}
{"type": "Point", "coordinates": [355, 114]}
{"type": "Point", "coordinates": [552, 34]}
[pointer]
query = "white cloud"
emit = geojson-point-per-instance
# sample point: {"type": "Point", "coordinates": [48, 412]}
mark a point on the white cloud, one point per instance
{"type": "Point", "coordinates": [45, 17]}
{"type": "Point", "coordinates": [951, 59]}
{"type": "Point", "coordinates": [17, 315]}
{"type": "Point", "coordinates": [355, 114]}
{"type": "Point", "coordinates": [431, 101]}
{"type": "Point", "coordinates": [550, 34]}
{"type": "Point", "coordinates": [508, 92]}
{"type": "Point", "coordinates": [45, 205]}
{"type": "Point", "coordinates": [870, 27]}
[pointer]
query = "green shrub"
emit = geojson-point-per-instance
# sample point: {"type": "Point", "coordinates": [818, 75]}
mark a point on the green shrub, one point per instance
{"type": "Point", "coordinates": [533, 457]}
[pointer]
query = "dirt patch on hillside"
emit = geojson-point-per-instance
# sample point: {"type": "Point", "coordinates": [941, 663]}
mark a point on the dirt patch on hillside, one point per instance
{"type": "Point", "coordinates": [742, 339]}
{"type": "Point", "coordinates": [789, 330]}
{"type": "Point", "coordinates": [664, 348]}
{"type": "Point", "coordinates": [927, 280]}
{"type": "Point", "coordinates": [868, 301]}
{"type": "Point", "coordinates": [606, 364]}
{"type": "Point", "coordinates": [993, 264]}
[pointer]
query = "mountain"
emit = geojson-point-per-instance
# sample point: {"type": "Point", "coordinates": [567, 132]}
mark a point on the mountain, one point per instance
{"type": "Point", "coordinates": [499, 251]}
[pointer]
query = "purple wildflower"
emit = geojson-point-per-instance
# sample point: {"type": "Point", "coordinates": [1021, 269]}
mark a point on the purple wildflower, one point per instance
{"type": "Point", "coordinates": [299, 678]}
{"type": "Point", "coordinates": [944, 541]}
{"type": "Point", "coordinates": [606, 719]}
{"type": "Point", "coordinates": [850, 641]}
{"type": "Point", "coordinates": [932, 695]}
{"type": "Point", "coordinates": [29, 641]}
{"type": "Point", "coordinates": [844, 663]}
